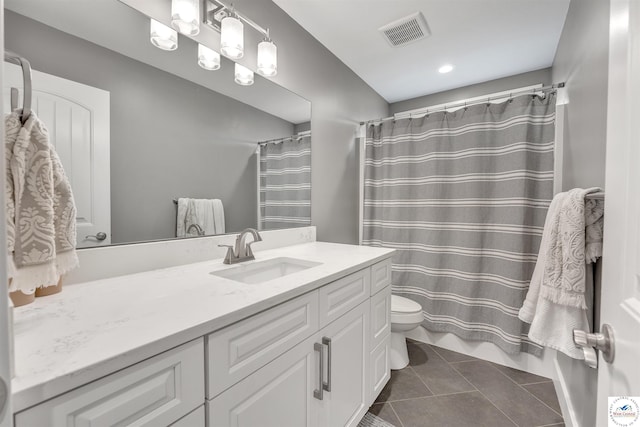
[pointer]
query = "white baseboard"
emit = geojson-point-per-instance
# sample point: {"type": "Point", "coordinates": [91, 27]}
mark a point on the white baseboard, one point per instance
{"type": "Point", "coordinates": [562, 391]}
{"type": "Point", "coordinates": [543, 366]}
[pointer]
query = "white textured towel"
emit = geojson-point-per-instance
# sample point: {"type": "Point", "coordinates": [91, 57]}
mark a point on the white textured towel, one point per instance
{"type": "Point", "coordinates": [208, 214]}
{"type": "Point", "coordinates": [560, 291]}
{"type": "Point", "coordinates": [41, 213]}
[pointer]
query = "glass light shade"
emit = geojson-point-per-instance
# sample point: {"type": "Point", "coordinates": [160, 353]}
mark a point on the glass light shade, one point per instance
{"type": "Point", "coordinates": [244, 76]}
{"type": "Point", "coordinates": [185, 16]}
{"type": "Point", "coordinates": [162, 36]}
{"type": "Point", "coordinates": [208, 59]}
{"type": "Point", "coordinates": [232, 37]}
{"type": "Point", "coordinates": [267, 58]}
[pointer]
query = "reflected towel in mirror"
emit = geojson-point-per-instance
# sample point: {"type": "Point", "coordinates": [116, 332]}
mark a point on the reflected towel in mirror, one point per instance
{"type": "Point", "coordinates": [208, 214]}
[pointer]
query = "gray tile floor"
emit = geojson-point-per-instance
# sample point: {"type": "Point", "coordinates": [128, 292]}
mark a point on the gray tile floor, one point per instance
{"type": "Point", "coordinates": [443, 388]}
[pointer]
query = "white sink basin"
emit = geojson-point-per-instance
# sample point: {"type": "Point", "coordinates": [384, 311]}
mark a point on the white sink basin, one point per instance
{"type": "Point", "coordinates": [263, 271]}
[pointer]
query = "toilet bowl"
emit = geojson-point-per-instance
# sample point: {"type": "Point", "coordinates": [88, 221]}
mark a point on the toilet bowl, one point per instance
{"type": "Point", "coordinates": [406, 315]}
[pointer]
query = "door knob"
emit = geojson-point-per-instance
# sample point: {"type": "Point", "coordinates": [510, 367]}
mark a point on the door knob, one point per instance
{"type": "Point", "coordinates": [601, 341]}
{"type": "Point", "coordinates": [100, 236]}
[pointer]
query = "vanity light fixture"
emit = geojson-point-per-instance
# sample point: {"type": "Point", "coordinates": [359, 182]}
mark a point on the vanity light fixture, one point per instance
{"type": "Point", "coordinates": [447, 68]}
{"type": "Point", "coordinates": [208, 59]}
{"type": "Point", "coordinates": [267, 57]}
{"type": "Point", "coordinates": [185, 16]}
{"type": "Point", "coordinates": [232, 36]}
{"type": "Point", "coordinates": [163, 37]}
{"type": "Point", "coordinates": [243, 75]}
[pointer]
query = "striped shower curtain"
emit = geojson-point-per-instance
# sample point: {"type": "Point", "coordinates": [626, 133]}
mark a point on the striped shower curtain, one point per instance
{"type": "Point", "coordinates": [285, 183]}
{"type": "Point", "coordinates": [463, 196]}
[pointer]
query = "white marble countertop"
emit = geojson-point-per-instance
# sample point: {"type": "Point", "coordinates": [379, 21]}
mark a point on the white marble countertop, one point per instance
{"type": "Point", "coordinates": [92, 329]}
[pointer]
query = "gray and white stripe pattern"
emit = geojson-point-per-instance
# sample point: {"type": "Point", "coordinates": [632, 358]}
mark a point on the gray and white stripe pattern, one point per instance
{"type": "Point", "coordinates": [463, 197]}
{"type": "Point", "coordinates": [285, 183]}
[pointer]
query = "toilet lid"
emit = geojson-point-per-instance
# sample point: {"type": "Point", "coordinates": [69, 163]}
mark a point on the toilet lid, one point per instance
{"type": "Point", "coordinates": [404, 305]}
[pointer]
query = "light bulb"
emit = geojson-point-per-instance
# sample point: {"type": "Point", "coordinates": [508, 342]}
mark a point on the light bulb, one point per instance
{"type": "Point", "coordinates": [185, 16]}
{"type": "Point", "coordinates": [208, 59]}
{"type": "Point", "coordinates": [162, 36]}
{"type": "Point", "coordinates": [243, 75]}
{"type": "Point", "coordinates": [232, 37]}
{"type": "Point", "coordinates": [267, 58]}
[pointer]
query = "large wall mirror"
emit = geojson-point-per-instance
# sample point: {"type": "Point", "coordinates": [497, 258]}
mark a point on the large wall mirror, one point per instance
{"type": "Point", "coordinates": [147, 137]}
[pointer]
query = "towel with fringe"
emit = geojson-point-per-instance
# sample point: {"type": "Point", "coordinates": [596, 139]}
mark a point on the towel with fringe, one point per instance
{"type": "Point", "coordinates": [41, 213]}
{"type": "Point", "coordinates": [561, 290]}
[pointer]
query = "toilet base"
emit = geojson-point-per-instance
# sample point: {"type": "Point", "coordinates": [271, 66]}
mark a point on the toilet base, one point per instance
{"type": "Point", "coordinates": [398, 357]}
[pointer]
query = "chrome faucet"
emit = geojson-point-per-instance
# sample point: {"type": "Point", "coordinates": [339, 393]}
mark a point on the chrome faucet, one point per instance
{"type": "Point", "coordinates": [242, 250]}
{"type": "Point", "coordinates": [199, 229]}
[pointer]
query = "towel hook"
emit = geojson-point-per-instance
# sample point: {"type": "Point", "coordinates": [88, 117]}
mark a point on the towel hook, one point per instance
{"type": "Point", "coordinates": [26, 77]}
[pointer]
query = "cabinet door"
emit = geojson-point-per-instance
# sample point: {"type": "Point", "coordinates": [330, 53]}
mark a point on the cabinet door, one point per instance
{"type": "Point", "coordinates": [347, 359]}
{"type": "Point", "coordinates": [280, 394]}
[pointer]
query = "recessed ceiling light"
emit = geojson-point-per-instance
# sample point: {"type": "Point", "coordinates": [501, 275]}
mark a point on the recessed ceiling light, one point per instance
{"type": "Point", "coordinates": [445, 69]}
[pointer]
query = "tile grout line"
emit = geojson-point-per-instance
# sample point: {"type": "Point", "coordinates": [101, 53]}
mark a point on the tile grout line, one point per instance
{"type": "Point", "coordinates": [488, 400]}
{"type": "Point", "coordinates": [397, 416]}
{"type": "Point", "coordinates": [448, 364]}
{"type": "Point", "coordinates": [421, 380]}
{"type": "Point", "coordinates": [531, 394]}
{"type": "Point", "coordinates": [427, 397]}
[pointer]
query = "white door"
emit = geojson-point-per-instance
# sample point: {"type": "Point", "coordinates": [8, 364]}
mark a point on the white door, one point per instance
{"type": "Point", "coordinates": [621, 253]}
{"type": "Point", "coordinates": [347, 369]}
{"type": "Point", "coordinates": [77, 117]}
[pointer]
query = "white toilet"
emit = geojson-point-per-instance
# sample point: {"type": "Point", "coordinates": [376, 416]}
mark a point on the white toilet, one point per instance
{"type": "Point", "coordinates": [405, 316]}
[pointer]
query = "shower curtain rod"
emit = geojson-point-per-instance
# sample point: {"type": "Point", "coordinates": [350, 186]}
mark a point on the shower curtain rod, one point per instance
{"type": "Point", "coordinates": [278, 140]}
{"type": "Point", "coordinates": [420, 112]}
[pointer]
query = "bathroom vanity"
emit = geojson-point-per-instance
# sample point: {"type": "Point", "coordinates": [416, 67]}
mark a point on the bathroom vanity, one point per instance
{"type": "Point", "coordinates": [205, 345]}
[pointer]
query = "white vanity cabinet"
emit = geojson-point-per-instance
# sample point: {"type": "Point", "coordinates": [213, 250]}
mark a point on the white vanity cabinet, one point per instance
{"type": "Point", "coordinates": [317, 360]}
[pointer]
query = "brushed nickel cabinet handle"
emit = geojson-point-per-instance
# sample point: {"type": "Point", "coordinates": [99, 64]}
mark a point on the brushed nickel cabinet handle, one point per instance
{"type": "Point", "coordinates": [318, 392]}
{"type": "Point", "coordinates": [327, 386]}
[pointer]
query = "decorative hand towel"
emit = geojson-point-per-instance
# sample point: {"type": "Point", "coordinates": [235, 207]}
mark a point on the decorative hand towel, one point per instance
{"type": "Point", "coordinates": [594, 221]}
{"type": "Point", "coordinates": [560, 271]}
{"type": "Point", "coordinates": [564, 270]}
{"type": "Point", "coordinates": [41, 213]}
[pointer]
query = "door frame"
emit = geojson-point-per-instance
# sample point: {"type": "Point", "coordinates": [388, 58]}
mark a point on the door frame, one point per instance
{"type": "Point", "coordinates": [6, 414]}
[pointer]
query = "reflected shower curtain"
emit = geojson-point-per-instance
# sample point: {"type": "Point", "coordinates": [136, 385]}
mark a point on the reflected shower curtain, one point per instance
{"type": "Point", "coordinates": [285, 183]}
{"type": "Point", "coordinates": [463, 197]}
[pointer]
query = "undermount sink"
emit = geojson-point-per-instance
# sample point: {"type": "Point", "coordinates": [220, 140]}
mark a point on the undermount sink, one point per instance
{"type": "Point", "coordinates": [263, 271]}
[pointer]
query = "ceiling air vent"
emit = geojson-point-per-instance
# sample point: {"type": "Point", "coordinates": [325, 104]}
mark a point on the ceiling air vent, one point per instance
{"type": "Point", "coordinates": [406, 30]}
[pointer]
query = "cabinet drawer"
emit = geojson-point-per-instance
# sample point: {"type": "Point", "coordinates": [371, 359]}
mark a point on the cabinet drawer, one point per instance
{"type": "Point", "coordinates": [380, 370]}
{"type": "Point", "coordinates": [240, 349]}
{"type": "Point", "coordinates": [194, 419]}
{"type": "Point", "coordinates": [380, 316]}
{"type": "Point", "coordinates": [158, 391]}
{"type": "Point", "coordinates": [380, 276]}
{"type": "Point", "coordinates": [339, 297]}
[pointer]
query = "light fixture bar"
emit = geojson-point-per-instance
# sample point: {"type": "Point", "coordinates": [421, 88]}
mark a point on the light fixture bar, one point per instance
{"type": "Point", "coordinates": [213, 7]}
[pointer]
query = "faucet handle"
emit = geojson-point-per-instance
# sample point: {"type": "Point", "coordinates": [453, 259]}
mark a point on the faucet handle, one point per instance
{"type": "Point", "coordinates": [230, 253]}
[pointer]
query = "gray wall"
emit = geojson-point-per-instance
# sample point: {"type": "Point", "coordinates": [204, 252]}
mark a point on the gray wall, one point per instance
{"type": "Point", "coordinates": [339, 100]}
{"type": "Point", "coordinates": [169, 137]}
{"type": "Point", "coordinates": [512, 82]}
{"type": "Point", "coordinates": [582, 62]}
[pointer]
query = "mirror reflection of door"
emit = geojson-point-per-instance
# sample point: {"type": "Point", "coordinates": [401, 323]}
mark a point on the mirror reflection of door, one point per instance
{"type": "Point", "coordinates": [77, 117]}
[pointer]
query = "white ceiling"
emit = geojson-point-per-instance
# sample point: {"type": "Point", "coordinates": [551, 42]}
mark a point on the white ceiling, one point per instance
{"type": "Point", "coordinates": [483, 39]}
